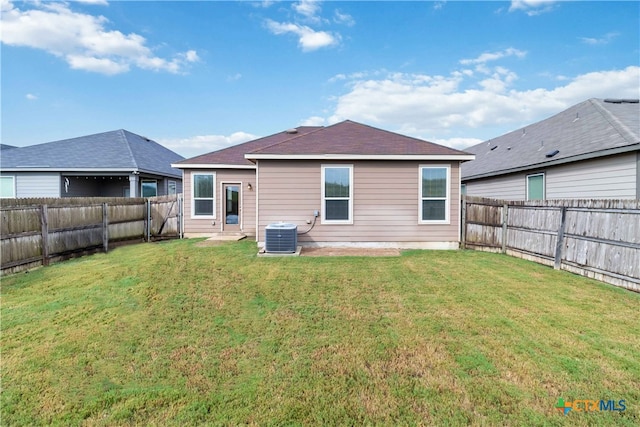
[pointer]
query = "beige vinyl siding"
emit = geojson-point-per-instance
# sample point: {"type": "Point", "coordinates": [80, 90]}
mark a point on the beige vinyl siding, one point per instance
{"type": "Point", "coordinates": [385, 202]}
{"type": "Point", "coordinates": [198, 226]}
{"type": "Point", "coordinates": [613, 177]}
{"type": "Point", "coordinates": [37, 184]}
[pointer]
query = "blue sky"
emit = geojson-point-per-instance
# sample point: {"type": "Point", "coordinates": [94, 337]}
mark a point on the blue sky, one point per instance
{"type": "Point", "coordinates": [199, 76]}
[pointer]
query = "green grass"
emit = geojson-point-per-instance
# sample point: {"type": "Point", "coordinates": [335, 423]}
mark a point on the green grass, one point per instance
{"type": "Point", "coordinates": [174, 334]}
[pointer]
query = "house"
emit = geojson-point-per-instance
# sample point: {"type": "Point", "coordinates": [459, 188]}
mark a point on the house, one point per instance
{"type": "Point", "coordinates": [110, 164]}
{"type": "Point", "coordinates": [589, 151]}
{"type": "Point", "coordinates": [347, 184]}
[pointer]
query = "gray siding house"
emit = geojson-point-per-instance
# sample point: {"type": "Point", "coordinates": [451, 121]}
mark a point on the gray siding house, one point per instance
{"type": "Point", "coordinates": [110, 164]}
{"type": "Point", "coordinates": [589, 151]}
{"type": "Point", "coordinates": [347, 184]}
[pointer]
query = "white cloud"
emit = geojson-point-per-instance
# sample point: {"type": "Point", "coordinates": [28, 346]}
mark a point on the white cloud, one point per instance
{"type": "Point", "coordinates": [343, 18]}
{"type": "Point", "coordinates": [532, 7]}
{"type": "Point", "coordinates": [314, 121]}
{"type": "Point", "coordinates": [31, 97]}
{"type": "Point", "coordinates": [457, 143]}
{"type": "Point", "coordinates": [308, 39]}
{"type": "Point", "coordinates": [202, 144]}
{"type": "Point", "coordinates": [606, 39]}
{"type": "Point", "coordinates": [307, 8]}
{"type": "Point", "coordinates": [437, 5]}
{"type": "Point", "coordinates": [458, 108]}
{"type": "Point", "coordinates": [98, 2]}
{"type": "Point", "coordinates": [494, 56]}
{"type": "Point", "coordinates": [83, 40]}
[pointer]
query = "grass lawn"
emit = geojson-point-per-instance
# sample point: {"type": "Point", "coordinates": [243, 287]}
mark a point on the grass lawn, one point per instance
{"type": "Point", "coordinates": [174, 334]}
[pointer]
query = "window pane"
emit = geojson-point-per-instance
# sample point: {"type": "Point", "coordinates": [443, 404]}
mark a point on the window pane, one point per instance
{"type": "Point", "coordinates": [433, 210]}
{"type": "Point", "coordinates": [337, 210]}
{"type": "Point", "coordinates": [203, 207]}
{"type": "Point", "coordinates": [203, 186]}
{"type": "Point", "coordinates": [535, 187]}
{"type": "Point", "coordinates": [434, 182]}
{"type": "Point", "coordinates": [172, 187]}
{"type": "Point", "coordinates": [336, 182]}
{"type": "Point", "coordinates": [149, 188]}
{"type": "Point", "coordinates": [6, 187]}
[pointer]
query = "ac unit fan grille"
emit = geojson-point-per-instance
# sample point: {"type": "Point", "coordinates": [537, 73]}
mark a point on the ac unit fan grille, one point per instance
{"type": "Point", "coordinates": [281, 238]}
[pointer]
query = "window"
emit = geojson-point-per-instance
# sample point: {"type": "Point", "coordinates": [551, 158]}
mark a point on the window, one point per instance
{"type": "Point", "coordinates": [463, 189]}
{"type": "Point", "coordinates": [434, 194]}
{"type": "Point", "coordinates": [172, 188]}
{"type": "Point", "coordinates": [7, 187]}
{"type": "Point", "coordinates": [149, 188]}
{"type": "Point", "coordinates": [337, 192]}
{"type": "Point", "coordinates": [203, 191]}
{"type": "Point", "coordinates": [535, 187]}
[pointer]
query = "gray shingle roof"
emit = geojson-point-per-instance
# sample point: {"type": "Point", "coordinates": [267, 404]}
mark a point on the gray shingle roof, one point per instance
{"type": "Point", "coordinates": [593, 128]}
{"type": "Point", "coordinates": [114, 150]}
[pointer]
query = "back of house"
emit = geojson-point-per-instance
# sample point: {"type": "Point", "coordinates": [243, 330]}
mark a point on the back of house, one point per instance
{"type": "Point", "coordinates": [347, 184]}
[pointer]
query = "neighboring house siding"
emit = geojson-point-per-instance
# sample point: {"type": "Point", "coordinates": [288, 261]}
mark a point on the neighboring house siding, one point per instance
{"type": "Point", "coordinates": [34, 184]}
{"type": "Point", "coordinates": [613, 177]}
{"type": "Point", "coordinates": [507, 187]}
{"type": "Point", "coordinates": [385, 202]}
{"type": "Point", "coordinates": [202, 227]}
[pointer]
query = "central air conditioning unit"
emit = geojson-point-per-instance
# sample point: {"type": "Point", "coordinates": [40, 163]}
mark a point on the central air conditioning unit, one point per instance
{"type": "Point", "coordinates": [281, 238]}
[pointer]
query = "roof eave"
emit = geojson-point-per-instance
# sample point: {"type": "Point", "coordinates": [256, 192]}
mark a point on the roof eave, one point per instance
{"type": "Point", "coordinates": [124, 171]}
{"type": "Point", "coordinates": [455, 157]}
{"type": "Point", "coordinates": [571, 159]}
{"type": "Point", "coordinates": [210, 166]}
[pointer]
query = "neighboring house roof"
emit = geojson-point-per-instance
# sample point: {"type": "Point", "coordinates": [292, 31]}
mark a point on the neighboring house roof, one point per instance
{"type": "Point", "coordinates": [344, 140]}
{"type": "Point", "coordinates": [593, 128]}
{"type": "Point", "coordinates": [117, 150]}
{"type": "Point", "coordinates": [7, 147]}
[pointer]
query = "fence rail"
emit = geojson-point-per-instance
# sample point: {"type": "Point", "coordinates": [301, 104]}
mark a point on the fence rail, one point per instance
{"type": "Point", "coordinates": [595, 238]}
{"type": "Point", "coordinates": [39, 231]}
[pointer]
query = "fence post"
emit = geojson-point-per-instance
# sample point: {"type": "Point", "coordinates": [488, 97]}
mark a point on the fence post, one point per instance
{"type": "Point", "coordinates": [148, 222]}
{"type": "Point", "coordinates": [180, 219]}
{"type": "Point", "coordinates": [505, 228]}
{"type": "Point", "coordinates": [557, 263]}
{"type": "Point", "coordinates": [105, 227]}
{"type": "Point", "coordinates": [44, 223]}
{"type": "Point", "coordinates": [463, 230]}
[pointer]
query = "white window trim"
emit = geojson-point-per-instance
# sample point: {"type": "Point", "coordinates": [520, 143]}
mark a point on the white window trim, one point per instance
{"type": "Point", "coordinates": [323, 201]}
{"type": "Point", "coordinates": [13, 185]}
{"type": "Point", "coordinates": [193, 198]}
{"type": "Point", "coordinates": [447, 210]}
{"type": "Point", "coordinates": [544, 185]}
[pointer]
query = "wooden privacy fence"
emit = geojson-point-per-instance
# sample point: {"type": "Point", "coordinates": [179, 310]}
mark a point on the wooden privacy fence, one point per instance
{"type": "Point", "coordinates": [39, 231]}
{"type": "Point", "coordinates": [595, 238]}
